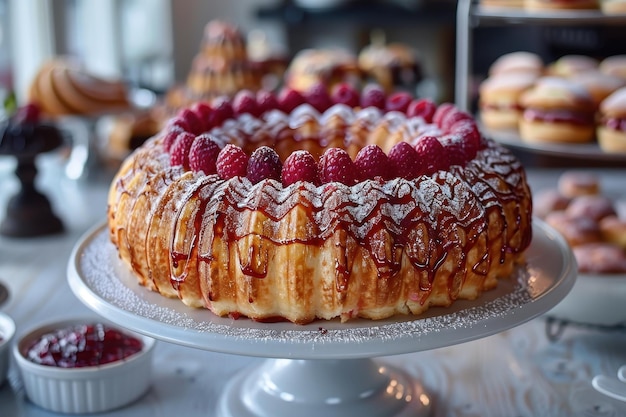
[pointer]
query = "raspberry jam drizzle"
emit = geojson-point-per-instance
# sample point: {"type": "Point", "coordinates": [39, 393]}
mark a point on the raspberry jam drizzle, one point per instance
{"type": "Point", "coordinates": [83, 345]}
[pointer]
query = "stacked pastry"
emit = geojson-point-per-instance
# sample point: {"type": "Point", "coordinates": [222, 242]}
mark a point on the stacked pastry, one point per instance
{"type": "Point", "coordinates": [559, 102]}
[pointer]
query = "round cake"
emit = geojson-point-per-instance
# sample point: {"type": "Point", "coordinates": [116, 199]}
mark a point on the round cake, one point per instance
{"type": "Point", "coordinates": [287, 209]}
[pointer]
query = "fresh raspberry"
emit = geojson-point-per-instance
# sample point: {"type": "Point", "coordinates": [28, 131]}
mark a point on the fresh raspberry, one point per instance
{"type": "Point", "coordinates": [203, 110]}
{"type": "Point", "coordinates": [203, 154]}
{"type": "Point", "coordinates": [423, 107]}
{"type": "Point", "coordinates": [453, 116]}
{"type": "Point", "coordinates": [232, 161]}
{"type": "Point", "coordinates": [433, 154]}
{"type": "Point", "coordinates": [441, 111]}
{"type": "Point", "coordinates": [373, 95]}
{"type": "Point", "coordinates": [289, 99]}
{"type": "Point", "coordinates": [170, 136]}
{"type": "Point", "coordinates": [179, 153]}
{"type": "Point", "coordinates": [300, 166]}
{"type": "Point", "coordinates": [245, 102]}
{"type": "Point", "coordinates": [196, 126]}
{"type": "Point", "coordinates": [28, 113]}
{"type": "Point", "coordinates": [266, 100]}
{"type": "Point", "coordinates": [318, 97]}
{"type": "Point", "coordinates": [264, 163]}
{"type": "Point", "coordinates": [398, 101]}
{"type": "Point", "coordinates": [336, 165]}
{"type": "Point", "coordinates": [459, 151]}
{"type": "Point", "coordinates": [468, 130]}
{"type": "Point", "coordinates": [344, 93]}
{"type": "Point", "coordinates": [222, 111]}
{"type": "Point", "coordinates": [405, 161]}
{"type": "Point", "coordinates": [371, 162]}
{"type": "Point", "coordinates": [178, 123]}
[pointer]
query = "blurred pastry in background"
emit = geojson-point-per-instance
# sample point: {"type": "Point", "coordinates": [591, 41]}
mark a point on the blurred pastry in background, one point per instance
{"type": "Point", "coordinates": [591, 222]}
{"type": "Point", "coordinates": [545, 5]}
{"type": "Point", "coordinates": [599, 85]}
{"type": "Point", "coordinates": [332, 66]}
{"type": "Point", "coordinates": [613, 7]}
{"type": "Point", "coordinates": [557, 110]}
{"type": "Point", "coordinates": [392, 65]}
{"type": "Point", "coordinates": [63, 87]}
{"type": "Point", "coordinates": [570, 65]}
{"type": "Point", "coordinates": [614, 65]}
{"type": "Point", "coordinates": [266, 60]}
{"type": "Point", "coordinates": [573, 184]}
{"type": "Point", "coordinates": [502, 4]}
{"type": "Point", "coordinates": [498, 99]}
{"type": "Point", "coordinates": [517, 62]}
{"type": "Point", "coordinates": [611, 130]}
{"type": "Point", "coordinates": [220, 68]}
{"type": "Point", "coordinates": [128, 131]}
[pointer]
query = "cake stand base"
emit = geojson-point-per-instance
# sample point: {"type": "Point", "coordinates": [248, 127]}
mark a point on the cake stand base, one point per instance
{"type": "Point", "coordinates": [324, 387]}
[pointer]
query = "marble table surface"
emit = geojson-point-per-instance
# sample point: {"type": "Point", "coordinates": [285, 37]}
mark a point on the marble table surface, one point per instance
{"type": "Point", "coordinates": [536, 369]}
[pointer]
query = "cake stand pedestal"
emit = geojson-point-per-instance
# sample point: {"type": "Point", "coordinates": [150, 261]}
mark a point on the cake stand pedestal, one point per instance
{"type": "Point", "coordinates": [324, 368]}
{"type": "Point", "coordinates": [325, 387]}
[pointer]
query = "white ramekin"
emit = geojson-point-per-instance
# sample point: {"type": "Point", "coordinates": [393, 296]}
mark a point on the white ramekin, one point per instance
{"type": "Point", "coordinates": [90, 389]}
{"type": "Point", "coordinates": [7, 331]}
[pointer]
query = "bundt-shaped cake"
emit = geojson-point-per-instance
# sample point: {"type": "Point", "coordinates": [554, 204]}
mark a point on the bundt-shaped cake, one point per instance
{"type": "Point", "coordinates": [315, 206]}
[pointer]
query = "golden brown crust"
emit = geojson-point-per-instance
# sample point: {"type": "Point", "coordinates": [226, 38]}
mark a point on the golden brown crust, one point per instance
{"type": "Point", "coordinates": [611, 140]}
{"type": "Point", "coordinates": [537, 131]}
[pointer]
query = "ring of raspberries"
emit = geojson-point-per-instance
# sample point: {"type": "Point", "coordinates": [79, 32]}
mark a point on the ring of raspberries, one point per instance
{"type": "Point", "coordinates": [191, 145]}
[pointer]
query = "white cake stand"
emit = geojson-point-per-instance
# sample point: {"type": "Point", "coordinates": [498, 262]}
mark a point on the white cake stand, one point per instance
{"type": "Point", "coordinates": [324, 368]}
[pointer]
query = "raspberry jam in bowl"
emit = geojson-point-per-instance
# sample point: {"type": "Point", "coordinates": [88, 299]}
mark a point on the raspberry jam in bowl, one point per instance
{"type": "Point", "coordinates": [7, 331]}
{"type": "Point", "coordinates": [83, 365]}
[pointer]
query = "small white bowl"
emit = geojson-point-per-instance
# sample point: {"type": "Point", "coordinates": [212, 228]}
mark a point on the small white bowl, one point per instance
{"type": "Point", "coordinates": [89, 389]}
{"type": "Point", "coordinates": [7, 331]}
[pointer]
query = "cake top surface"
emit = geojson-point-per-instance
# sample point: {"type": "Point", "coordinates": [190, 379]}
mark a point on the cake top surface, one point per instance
{"type": "Point", "coordinates": [245, 136]}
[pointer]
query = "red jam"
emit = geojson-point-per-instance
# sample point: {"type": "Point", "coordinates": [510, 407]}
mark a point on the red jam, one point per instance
{"type": "Point", "coordinates": [83, 345]}
{"type": "Point", "coordinates": [559, 116]}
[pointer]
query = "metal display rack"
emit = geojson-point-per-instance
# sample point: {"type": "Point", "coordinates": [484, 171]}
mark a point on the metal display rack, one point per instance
{"type": "Point", "coordinates": [470, 15]}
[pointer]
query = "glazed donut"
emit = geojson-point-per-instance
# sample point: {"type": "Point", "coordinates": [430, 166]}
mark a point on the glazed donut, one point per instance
{"type": "Point", "coordinates": [577, 183]}
{"type": "Point", "coordinates": [602, 258]}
